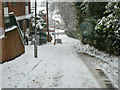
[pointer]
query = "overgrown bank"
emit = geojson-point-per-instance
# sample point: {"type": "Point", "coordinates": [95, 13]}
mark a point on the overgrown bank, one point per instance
{"type": "Point", "coordinates": [98, 24]}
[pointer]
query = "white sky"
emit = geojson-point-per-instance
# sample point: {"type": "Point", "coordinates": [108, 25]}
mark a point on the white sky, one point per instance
{"type": "Point", "coordinates": [40, 3]}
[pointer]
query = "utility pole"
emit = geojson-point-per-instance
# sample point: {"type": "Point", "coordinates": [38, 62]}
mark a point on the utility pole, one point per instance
{"type": "Point", "coordinates": [47, 21]}
{"type": "Point", "coordinates": [35, 44]}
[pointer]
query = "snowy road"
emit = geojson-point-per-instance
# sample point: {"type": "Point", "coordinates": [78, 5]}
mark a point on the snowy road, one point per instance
{"type": "Point", "coordinates": [57, 66]}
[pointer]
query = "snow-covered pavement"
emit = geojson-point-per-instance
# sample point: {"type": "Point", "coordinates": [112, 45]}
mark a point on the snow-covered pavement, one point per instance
{"type": "Point", "coordinates": [57, 66]}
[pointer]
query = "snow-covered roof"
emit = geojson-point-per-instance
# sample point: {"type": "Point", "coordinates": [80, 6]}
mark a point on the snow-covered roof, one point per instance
{"type": "Point", "coordinates": [28, 16]}
{"type": "Point", "coordinates": [43, 9]}
{"type": "Point", "coordinates": [10, 29]}
{"type": "Point", "coordinates": [39, 26]}
{"type": "Point", "coordinates": [51, 28]}
{"type": "Point", "coordinates": [11, 13]}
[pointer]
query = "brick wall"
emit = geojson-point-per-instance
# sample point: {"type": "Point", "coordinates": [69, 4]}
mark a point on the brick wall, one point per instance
{"type": "Point", "coordinates": [0, 14]}
{"type": "Point", "coordinates": [0, 33]}
{"type": "Point", "coordinates": [11, 46]}
{"type": "Point", "coordinates": [29, 7]}
{"type": "Point", "coordinates": [45, 19]}
{"type": "Point", "coordinates": [18, 9]}
{"type": "Point", "coordinates": [1, 25]}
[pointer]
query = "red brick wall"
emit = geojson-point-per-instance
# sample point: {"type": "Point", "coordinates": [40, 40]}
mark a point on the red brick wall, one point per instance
{"type": "Point", "coordinates": [18, 9]}
{"type": "Point", "coordinates": [12, 45]}
{"type": "Point", "coordinates": [45, 19]}
{"type": "Point", "coordinates": [0, 14]}
{"type": "Point", "coordinates": [29, 7]}
{"type": "Point", "coordinates": [0, 26]}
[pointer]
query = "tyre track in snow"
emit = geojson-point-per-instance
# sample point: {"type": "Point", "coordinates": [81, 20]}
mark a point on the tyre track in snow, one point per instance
{"type": "Point", "coordinates": [93, 64]}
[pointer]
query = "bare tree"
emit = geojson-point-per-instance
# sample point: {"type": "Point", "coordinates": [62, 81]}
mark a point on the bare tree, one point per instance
{"type": "Point", "coordinates": [67, 12]}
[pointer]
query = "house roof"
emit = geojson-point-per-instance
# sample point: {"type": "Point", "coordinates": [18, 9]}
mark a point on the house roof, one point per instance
{"type": "Point", "coordinates": [10, 29]}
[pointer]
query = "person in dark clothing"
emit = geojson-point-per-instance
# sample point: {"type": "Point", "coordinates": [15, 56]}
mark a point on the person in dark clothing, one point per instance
{"type": "Point", "coordinates": [27, 36]}
{"type": "Point", "coordinates": [26, 40]}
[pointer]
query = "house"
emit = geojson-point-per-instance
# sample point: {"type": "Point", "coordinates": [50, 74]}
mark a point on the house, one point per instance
{"type": "Point", "coordinates": [40, 11]}
{"type": "Point", "coordinates": [45, 19]}
{"type": "Point", "coordinates": [15, 19]}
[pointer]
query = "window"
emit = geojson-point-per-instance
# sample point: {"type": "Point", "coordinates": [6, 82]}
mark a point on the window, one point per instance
{"type": "Point", "coordinates": [5, 3]}
{"type": "Point", "coordinates": [27, 23]}
{"type": "Point", "coordinates": [6, 12]}
{"type": "Point", "coordinates": [21, 24]}
{"type": "Point", "coordinates": [14, 3]}
{"type": "Point", "coordinates": [26, 10]}
{"type": "Point", "coordinates": [26, 3]}
{"type": "Point", "coordinates": [7, 20]}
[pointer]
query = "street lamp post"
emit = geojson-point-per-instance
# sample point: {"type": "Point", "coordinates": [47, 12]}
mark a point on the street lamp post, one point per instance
{"type": "Point", "coordinates": [35, 44]}
{"type": "Point", "coordinates": [47, 21]}
{"type": "Point", "coordinates": [54, 33]}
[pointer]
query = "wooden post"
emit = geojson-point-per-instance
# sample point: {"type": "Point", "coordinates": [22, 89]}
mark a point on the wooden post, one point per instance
{"type": "Point", "coordinates": [35, 44]}
{"type": "Point", "coordinates": [47, 21]}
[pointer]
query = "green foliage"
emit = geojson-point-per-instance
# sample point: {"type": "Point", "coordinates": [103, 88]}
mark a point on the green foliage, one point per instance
{"type": "Point", "coordinates": [85, 29]}
{"type": "Point", "coordinates": [107, 30]}
{"type": "Point", "coordinates": [87, 14]}
{"type": "Point", "coordinates": [98, 24]}
{"type": "Point", "coordinates": [72, 33]}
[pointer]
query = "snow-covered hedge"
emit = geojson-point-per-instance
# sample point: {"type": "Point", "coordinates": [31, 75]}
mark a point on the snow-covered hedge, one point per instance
{"type": "Point", "coordinates": [104, 17]}
{"type": "Point", "coordinates": [107, 30]}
